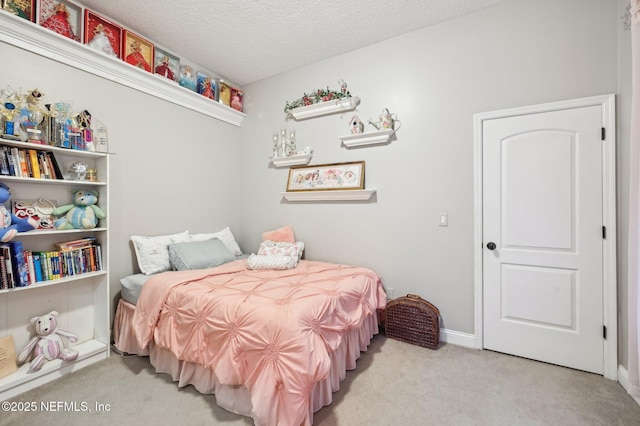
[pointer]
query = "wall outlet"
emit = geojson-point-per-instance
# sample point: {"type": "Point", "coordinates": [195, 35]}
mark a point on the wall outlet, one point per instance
{"type": "Point", "coordinates": [389, 292]}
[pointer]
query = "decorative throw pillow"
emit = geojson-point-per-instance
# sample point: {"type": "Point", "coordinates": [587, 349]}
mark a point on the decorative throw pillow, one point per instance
{"type": "Point", "coordinates": [283, 235]}
{"type": "Point", "coordinates": [270, 248]}
{"type": "Point", "coordinates": [271, 262]}
{"type": "Point", "coordinates": [226, 236]}
{"type": "Point", "coordinates": [153, 252]}
{"type": "Point", "coordinates": [199, 254]}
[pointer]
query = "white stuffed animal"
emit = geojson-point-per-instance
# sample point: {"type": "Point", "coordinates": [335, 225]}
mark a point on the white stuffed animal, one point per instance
{"type": "Point", "coordinates": [49, 343]}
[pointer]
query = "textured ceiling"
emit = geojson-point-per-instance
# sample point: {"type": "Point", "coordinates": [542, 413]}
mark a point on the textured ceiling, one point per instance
{"type": "Point", "coordinates": [248, 40]}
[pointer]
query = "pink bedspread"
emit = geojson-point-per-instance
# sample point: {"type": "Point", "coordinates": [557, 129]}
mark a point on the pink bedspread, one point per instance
{"type": "Point", "coordinates": [271, 331]}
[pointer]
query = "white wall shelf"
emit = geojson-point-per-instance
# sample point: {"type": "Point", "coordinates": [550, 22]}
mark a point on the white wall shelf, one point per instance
{"type": "Point", "coordinates": [292, 160]}
{"type": "Point", "coordinates": [337, 195]}
{"type": "Point", "coordinates": [369, 138]}
{"type": "Point", "coordinates": [324, 108]}
{"type": "Point", "coordinates": [34, 38]}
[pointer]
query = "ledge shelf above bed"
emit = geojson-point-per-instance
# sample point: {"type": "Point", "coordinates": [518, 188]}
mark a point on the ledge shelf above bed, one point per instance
{"type": "Point", "coordinates": [346, 195]}
{"type": "Point", "coordinates": [324, 108]}
{"type": "Point", "coordinates": [369, 138]}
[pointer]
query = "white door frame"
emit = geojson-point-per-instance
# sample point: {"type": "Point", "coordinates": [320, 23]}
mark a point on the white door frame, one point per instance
{"type": "Point", "coordinates": [608, 216]}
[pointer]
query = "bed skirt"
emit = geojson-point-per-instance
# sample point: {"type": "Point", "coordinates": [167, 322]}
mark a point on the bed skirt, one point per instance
{"type": "Point", "coordinates": [236, 398]}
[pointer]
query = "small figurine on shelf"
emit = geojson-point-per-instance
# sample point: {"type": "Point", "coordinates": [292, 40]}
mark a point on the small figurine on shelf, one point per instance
{"type": "Point", "coordinates": [33, 116]}
{"type": "Point", "coordinates": [11, 103]}
{"type": "Point", "coordinates": [356, 125]}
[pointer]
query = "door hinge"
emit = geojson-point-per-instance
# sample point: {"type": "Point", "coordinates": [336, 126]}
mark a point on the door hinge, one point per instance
{"type": "Point", "coordinates": [604, 332]}
{"type": "Point", "coordinates": [603, 134]}
{"type": "Point", "coordinates": [604, 232]}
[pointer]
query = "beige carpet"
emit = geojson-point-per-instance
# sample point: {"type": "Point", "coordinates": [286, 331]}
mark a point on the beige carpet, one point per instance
{"type": "Point", "coordinates": [394, 384]}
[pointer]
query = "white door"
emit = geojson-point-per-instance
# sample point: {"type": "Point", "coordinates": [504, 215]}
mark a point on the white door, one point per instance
{"type": "Point", "coordinates": [542, 227]}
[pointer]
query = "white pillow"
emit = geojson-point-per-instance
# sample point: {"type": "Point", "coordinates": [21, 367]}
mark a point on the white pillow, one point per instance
{"type": "Point", "coordinates": [226, 236]}
{"type": "Point", "coordinates": [153, 252]}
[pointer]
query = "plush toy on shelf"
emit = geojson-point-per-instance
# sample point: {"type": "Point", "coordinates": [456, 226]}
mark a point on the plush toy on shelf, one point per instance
{"type": "Point", "coordinates": [10, 224]}
{"type": "Point", "coordinates": [82, 214]}
{"type": "Point", "coordinates": [49, 343]}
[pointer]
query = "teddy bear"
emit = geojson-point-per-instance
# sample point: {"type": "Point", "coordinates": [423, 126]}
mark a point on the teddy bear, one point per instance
{"type": "Point", "coordinates": [10, 224]}
{"type": "Point", "coordinates": [82, 214]}
{"type": "Point", "coordinates": [49, 343]}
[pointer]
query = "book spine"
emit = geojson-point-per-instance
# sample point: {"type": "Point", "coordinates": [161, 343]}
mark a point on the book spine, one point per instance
{"type": "Point", "coordinates": [6, 253]}
{"type": "Point", "coordinates": [4, 164]}
{"type": "Point", "coordinates": [30, 267]}
{"type": "Point", "coordinates": [35, 164]}
{"type": "Point", "coordinates": [54, 165]}
{"type": "Point", "coordinates": [37, 265]}
{"type": "Point", "coordinates": [24, 167]}
{"type": "Point", "coordinates": [19, 267]}
{"type": "Point", "coordinates": [4, 281]}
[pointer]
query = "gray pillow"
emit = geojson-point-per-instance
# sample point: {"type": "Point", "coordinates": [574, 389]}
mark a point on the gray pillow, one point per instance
{"type": "Point", "coordinates": [199, 254]}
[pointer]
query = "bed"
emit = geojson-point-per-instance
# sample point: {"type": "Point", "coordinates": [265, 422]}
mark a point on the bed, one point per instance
{"type": "Point", "coordinates": [271, 343]}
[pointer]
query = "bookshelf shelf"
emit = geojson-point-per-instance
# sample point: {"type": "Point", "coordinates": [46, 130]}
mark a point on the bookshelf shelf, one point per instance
{"type": "Point", "coordinates": [88, 352]}
{"type": "Point", "coordinates": [82, 297]}
{"type": "Point", "coordinates": [58, 281]}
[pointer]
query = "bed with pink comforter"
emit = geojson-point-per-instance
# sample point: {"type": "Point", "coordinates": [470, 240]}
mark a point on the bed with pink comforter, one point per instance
{"type": "Point", "coordinates": [281, 338]}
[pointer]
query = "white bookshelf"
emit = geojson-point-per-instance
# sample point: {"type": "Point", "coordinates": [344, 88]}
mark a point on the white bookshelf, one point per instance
{"type": "Point", "coordinates": [82, 300]}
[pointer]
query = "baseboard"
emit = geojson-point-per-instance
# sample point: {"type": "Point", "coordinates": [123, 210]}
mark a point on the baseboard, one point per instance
{"type": "Point", "coordinates": [457, 338]}
{"type": "Point", "coordinates": [623, 379]}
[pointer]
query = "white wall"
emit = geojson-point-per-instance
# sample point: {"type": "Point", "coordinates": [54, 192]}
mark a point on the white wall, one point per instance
{"type": "Point", "coordinates": [514, 54]}
{"type": "Point", "coordinates": [172, 169]}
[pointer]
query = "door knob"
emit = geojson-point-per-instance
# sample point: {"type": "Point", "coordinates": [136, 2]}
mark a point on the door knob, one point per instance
{"type": "Point", "coordinates": [491, 246]}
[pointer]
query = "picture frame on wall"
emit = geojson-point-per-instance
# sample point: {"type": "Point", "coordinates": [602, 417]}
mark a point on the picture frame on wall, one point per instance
{"type": "Point", "coordinates": [187, 77]}
{"type": "Point", "coordinates": [326, 177]}
{"type": "Point", "coordinates": [101, 34]}
{"type": "Point", "coordinates": [206, 85]}
{"type": "Point", "coordinates": [137, 51]}
{"type": "Point", "coordinates": [166, 64]}
{"type": "Point", "coordinates": [25, 9]}
{"type": "Point", "coordinates": [61, 17]}
{"type": "Point", "coordinates": [224, 93]}
{"type": "Point", "coordinates": [236, 99]}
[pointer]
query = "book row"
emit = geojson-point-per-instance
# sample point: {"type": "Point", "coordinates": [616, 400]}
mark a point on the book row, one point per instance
{"type": "Point", "coordinates": [21, 268]}
{"type": "Point", "coordinates": [25, 162]}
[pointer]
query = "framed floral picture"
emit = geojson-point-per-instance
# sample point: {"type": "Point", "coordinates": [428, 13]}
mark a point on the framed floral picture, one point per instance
{"type": "Point", "coordinates": [326, 177]}
{"type": "Point", "coordinates": [166, 64]}
{"type": "Point", "coordinates": [62, 17]}
{"type": "Point", "coordinates": [206, 85]}
{"type": "Point", "coordinates": [25, 9]}
{"type": "Point", "coordinates": [101, 34]}
{"type": "Point", "coordinates": [137, 51]}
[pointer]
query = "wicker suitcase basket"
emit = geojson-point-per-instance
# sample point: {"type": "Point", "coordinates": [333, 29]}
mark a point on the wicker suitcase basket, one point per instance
{"type": "Point", "coordinates": [412, 319]}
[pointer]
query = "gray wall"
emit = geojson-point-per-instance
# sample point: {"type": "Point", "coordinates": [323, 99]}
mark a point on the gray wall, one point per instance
{"type": "Point", "coordinates": [514, 54]}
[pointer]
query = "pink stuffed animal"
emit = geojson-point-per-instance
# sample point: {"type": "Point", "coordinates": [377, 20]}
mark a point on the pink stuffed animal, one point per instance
{"type": "Point", "coordinates": [49, 343]}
